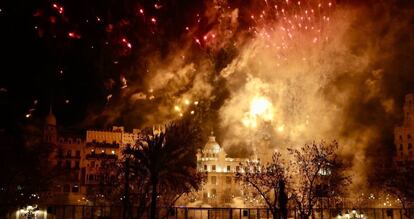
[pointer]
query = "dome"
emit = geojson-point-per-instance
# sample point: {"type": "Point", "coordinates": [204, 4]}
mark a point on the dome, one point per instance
{"type": "Point", "coordinates": [212, 144]}
{"type": "Point", "coordinates": [50, 118]}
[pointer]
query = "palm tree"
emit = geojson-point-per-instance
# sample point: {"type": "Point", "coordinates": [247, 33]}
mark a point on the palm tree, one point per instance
{"type": "Point", "coordinates": [167, 159]}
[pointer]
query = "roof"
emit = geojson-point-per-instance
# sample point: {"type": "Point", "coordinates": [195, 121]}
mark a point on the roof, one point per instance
{"type": "Point", "coordinates": [212, 144]}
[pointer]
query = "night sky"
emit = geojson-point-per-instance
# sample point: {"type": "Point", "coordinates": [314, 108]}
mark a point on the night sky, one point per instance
{"type": "Point", "coordinates": [88, 59]}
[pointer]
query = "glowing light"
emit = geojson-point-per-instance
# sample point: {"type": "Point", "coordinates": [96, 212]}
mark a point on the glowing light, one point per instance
{"type": "Point", "coordinates": [177, 108]}
{"type": "Point", "coordinates": [187, 102]}
{"type": "Point", "coordinates": [153, 20]}
{"type": "Point", "coordinates": [261, 106]}
{"type": "Point", "coordinates": [281, 128]}
{"type": "Point", "coordinates": [73, 35]}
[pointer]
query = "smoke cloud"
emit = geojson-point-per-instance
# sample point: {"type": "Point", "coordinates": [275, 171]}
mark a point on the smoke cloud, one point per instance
{"type": "Point", "coordinates": [341, 75]}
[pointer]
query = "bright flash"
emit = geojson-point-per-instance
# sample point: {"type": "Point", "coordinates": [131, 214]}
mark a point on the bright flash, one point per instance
{"type": "Point", "coordinates": [177, 108]}
{"type": "Point", "coordinates": [281, 128]}
{"type": "Point", "coordinates": [262, 107]}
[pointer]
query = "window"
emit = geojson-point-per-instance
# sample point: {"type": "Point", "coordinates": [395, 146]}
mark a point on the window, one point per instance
{"type": "Point", "coordinates": [401, 147]}
{"type": "Point", "coordinates": [213, 192]}
{"type": "Point", "coordinates": [205, 167]}
{"type": "Point", "coordinates": [77, 153]}
{"type": "Point", "coordinates": [213, 180]}
{"type": "Point", "coordinates": [410, 146]}
{"type": "Point", "coordinates": [228, 179]}
{"type": "Point", "coordinates": [69, 153]}
{"type": "Point", "coordinates": [228, 168]}
{"type": "Point", "coordinates": [205, 195]}
{"type": "Point", "coordinates": [68, 165]}
{"type": "Point", "coordinates": [409, 137]}
{"type": "Point", "coordinates": [213, 168]}
{"type": "Point", "coordinates": [77, 164]}
{"type": "Point", "coordinates": [93, 164]}
{"type": "Point", "coordinates": [66, 188]}
{"type": "Point", "coordinates": [75, 188]}
{"type": "Point", "coordinates": [90, 177]}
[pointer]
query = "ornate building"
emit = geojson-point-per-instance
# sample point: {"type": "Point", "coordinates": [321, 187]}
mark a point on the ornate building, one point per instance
{"type": "Point", "coordinates": [403, 135]}
{"type": "Point", "coordinates": [220, 188]}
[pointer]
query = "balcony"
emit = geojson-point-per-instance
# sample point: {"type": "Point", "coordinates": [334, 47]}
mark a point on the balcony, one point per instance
{"type": "Point", "coordinates": [102, 144]}
{"type": "Point", "coordinates": [101, 156]}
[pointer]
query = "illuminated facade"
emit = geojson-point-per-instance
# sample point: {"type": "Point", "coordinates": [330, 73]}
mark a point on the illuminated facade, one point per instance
{"type": "Point", "coordinates": [103, 148]}
{"type": "Point", "coordinates": [403, 135]}
{"type": "Point", "coordinates": [77, 160]}
{"type": "Point", "coordinates": [220, 188]}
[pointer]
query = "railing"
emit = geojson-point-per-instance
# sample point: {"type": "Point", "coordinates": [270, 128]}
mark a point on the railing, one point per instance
{"type": "Point", "coordinates": [101, 156]}
{"type": "Point", "coordinates": [116, 212]}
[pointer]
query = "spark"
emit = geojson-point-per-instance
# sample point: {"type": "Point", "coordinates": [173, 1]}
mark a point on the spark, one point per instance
{"type": "Point", "coordinates": [157, 6]}
{"type": "Point", "coordinates": [73, 35]}
{"type": "Point", "coordinates": [153, 20]}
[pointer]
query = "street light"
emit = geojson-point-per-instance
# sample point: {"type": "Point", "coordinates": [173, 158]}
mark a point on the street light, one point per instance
{"type": "Point", "coordinates": [340, 215]}
{"type": "Point", "coordinates": [354, 213]}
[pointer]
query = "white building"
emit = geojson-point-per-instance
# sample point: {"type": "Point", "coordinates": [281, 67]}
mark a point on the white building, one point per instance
{"type": "Point", "coordinates": [220, 188]}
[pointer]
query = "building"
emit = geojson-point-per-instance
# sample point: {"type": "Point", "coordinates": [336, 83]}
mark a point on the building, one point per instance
{"type": "Point", "coordinates": [404, 134]}
{"type": "Point", "coordinates": [78, 161]}
{"type": "Point", "coordinates": [102, 149]}
{"type": "Point", "coordinates": [220, 188]}
{"type": "Point", "coordinates": [66, 162]}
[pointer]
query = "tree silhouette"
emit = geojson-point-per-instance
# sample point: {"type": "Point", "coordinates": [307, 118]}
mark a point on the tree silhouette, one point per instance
{"type": "Point", "coordinates": [318, 172]}
{"type": "Point", "coordinates": [399, 181]}
{"type": "Point", "coordinates": [167, 160]}
{"type": "Point", "coordinates": [266, 179]}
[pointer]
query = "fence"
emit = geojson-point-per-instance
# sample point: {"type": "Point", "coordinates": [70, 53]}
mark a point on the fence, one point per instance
{"type": "Point", "coordinates": [116, 212]}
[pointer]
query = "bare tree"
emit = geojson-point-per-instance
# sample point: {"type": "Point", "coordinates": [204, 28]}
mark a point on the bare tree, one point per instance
{"type": "Point", "coordinates": [266, 179]}
{"type": "Point", "coordinates": [317, 172]}
{"type": "Point", "coordinates": [400, 183]}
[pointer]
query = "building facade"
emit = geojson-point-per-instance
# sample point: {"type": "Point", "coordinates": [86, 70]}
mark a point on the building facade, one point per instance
{"type": "Point", "coordinates": [219, 189]}
{"type": "Point", "coordinates": [78, 161]}
{"type": "Point", "coordinates": [404, 134]}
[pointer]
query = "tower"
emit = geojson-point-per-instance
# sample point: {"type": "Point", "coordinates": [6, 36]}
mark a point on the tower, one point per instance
{"type": "Point", "coordinates": [50, 130]}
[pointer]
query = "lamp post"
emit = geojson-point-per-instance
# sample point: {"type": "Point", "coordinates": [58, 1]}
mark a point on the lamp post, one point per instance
{"type": "Point", "coordinates": [351, 215]}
